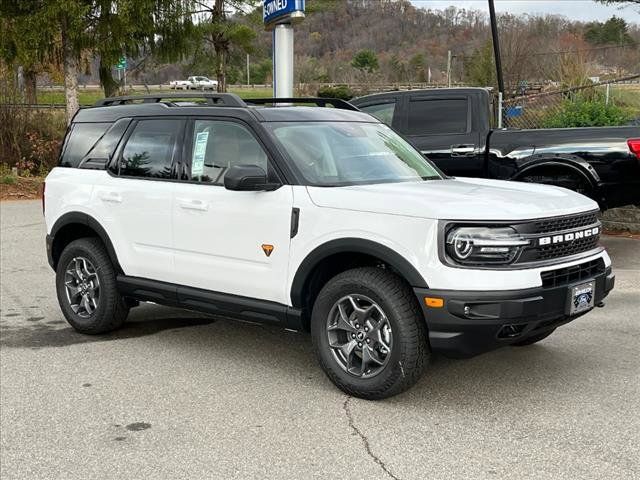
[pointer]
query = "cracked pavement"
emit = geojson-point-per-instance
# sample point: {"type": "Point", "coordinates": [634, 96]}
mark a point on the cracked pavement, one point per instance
{"type": "Point", "coordinates": [177, 394]}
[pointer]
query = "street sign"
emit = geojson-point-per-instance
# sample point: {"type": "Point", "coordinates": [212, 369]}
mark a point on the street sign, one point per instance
{"type": "Point", "coordinates": [276, 11]}
{"type": "Point", "coordinates": [122, 63]}
{"type": "Point", "coordinates": [514, 111]}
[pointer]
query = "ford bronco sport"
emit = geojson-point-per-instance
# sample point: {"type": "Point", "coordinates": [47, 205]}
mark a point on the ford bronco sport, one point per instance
{"type": "Point", "coordinates": [319, 219]}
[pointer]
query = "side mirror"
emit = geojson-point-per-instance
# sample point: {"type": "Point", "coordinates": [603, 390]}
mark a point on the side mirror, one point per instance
{"type": "Point", "coordinates": [248, 178]}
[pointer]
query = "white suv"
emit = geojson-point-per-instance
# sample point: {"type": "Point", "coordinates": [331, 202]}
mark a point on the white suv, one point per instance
{"type": "Point", "coordinates": [319, 219]}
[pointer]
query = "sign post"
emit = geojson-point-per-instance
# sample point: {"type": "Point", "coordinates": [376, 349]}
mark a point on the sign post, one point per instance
{"type": "Point", "coordinates": [279, 17]}
{"type": "Point", "coordinates": [122, 66]}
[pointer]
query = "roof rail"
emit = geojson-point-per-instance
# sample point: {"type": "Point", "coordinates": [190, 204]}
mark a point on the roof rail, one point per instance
{"type": "Point", "coordinates": [217, 99]}
{"type": "Point", "coordinates": [320, 102]}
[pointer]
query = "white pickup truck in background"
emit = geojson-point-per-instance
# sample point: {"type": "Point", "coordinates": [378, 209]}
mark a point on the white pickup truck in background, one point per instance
{"type": "Point", "coordinates": [194, 83]}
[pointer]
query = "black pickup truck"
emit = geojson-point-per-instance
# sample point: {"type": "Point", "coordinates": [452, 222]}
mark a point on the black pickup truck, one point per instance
{"type": "Point", "coordinates": [453, 127]}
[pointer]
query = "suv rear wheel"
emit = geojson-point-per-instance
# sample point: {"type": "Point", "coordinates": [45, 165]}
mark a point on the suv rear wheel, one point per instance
{"type": "Point", "coordinates": [369, 334]}
{"type": "Point", "coordinates": [86, 288]}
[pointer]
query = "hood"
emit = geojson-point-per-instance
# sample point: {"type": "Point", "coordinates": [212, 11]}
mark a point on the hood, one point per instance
{"type": "Point", "coordinates": [456, 199]}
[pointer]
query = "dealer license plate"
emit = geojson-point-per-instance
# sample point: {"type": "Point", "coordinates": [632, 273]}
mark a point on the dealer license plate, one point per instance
{"type": "Point", "coordinates": [581, 298]}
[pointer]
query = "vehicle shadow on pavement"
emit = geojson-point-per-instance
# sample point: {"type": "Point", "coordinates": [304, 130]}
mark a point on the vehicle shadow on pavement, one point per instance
{"type": "Point", "coordinates": [40, 332]}
{"type": "Point", "coordinates": [517, 372]}
{"type": "Point", "coordinates": [445, 380]}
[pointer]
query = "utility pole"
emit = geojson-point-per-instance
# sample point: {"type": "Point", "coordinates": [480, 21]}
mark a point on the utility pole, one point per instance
{"type": "Point", "coordinates": [496, 46]}
{"type": "Point", "coordinates": [248, 75]}
{"type": "Point", "coordinates": [449, 69]}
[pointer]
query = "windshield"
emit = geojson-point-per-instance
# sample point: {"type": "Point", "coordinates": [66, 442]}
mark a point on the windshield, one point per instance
{"type": "Point", "coordinates": [343, 153]}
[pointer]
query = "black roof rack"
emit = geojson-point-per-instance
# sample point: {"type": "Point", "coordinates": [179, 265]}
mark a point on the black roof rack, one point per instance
{"type": "Point", "coordinates": [320, 102]}
{"type": "Point", "coordinates": [217, 99]}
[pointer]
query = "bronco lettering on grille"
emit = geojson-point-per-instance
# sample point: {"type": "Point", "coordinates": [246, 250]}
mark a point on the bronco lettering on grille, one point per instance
{"type": "Point", "coordinates": [569, 237]}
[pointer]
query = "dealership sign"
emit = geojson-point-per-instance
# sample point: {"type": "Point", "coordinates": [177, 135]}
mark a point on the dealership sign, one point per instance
{"type": "Point", "coordinates": [276, 11]}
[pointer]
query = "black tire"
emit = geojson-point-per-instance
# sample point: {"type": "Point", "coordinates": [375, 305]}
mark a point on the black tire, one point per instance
{"type": "Point", "coordinates": [111, 310]}
{"type": "Point", "coordinates": [408, 356]}
{"type": "Point", "coordinates": [533, 339]}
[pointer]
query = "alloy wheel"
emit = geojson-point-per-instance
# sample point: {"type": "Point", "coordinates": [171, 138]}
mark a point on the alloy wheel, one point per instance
{"type": "Point", "coordinates": [359, 335]}
{"type": "Point", "coordinates": [82, 286]}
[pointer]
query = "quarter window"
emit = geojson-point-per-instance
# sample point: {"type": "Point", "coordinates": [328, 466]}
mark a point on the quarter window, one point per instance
{"type": "Point", "coordinates": [382, 111]}
{"type": "Point", "coordinates": [433, 117]}
{"type": "Point", "coordinates": [81, 138]}
{"type": "Point", "coordinates": [109, 141]}
{"type": "Point", "coordinates": [150, 149]}
{"type": "Point", "coordinates": [219, 145]}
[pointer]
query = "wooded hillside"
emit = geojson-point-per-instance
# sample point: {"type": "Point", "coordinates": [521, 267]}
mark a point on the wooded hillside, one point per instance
{"type": "Point", "coordinates": [408, 42]}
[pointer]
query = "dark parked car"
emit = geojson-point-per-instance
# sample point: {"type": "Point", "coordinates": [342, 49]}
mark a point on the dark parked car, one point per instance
{"type": "Point", "coordinates": [453, 127]}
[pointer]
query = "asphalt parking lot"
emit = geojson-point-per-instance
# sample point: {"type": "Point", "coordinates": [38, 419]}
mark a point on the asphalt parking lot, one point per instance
{"type": "Point", "coordinates": [181, 395]}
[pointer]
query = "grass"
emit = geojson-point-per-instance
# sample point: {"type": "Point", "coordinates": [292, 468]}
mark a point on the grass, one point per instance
{"type": "Point", "coordinates": [628, 94]}
{"type": "Point", "coordinates": [90, 96]}
{"type": "Point", "coordinates": [253, 92]}
{"type": "Point", "coordinates": [627, 97]}
{"type": "Point", "coordinates": [8, 180]}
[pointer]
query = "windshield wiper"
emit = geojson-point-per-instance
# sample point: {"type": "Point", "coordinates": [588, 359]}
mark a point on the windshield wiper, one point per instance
{"type": "Point", "coordinates": [432, 177]}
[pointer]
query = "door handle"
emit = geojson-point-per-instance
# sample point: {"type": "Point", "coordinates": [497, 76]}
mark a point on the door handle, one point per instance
{"type": "Point", "coordinates": [189, 204]}
{"type": "Point", "coordinates": [463, 150]}
{"type": "Point", "coordinates": [113, 197]}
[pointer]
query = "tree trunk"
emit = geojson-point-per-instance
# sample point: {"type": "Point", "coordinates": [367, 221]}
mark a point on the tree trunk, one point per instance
{"type": "Point", "coordinates": [220, 45]}
{"type": "Point", "coordinates": [221, 70]}
{"type": "Point", "coordinates": [30, 76]}
{"type": "Point", "coordinates": [70, 63]}
{"type": "Point", "coordinates": [108, 83]}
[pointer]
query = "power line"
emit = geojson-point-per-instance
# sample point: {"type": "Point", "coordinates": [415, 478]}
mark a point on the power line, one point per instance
{"type": "Point", "coordinates": [564, 52]}
{"type": "Point", "coordinates": [583, 50]}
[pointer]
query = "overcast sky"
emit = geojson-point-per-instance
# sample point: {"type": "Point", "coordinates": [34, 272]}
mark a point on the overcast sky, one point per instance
{"type": "Point", "coordinates": [584, 10]}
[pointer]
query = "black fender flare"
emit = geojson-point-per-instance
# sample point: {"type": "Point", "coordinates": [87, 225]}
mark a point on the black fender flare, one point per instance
{"type": "Point", "coordinates": [355, 245]}
{"type": "Point", "coordinates": [571, 162]}
{"type": "Point", "coordinates": [88, 221]}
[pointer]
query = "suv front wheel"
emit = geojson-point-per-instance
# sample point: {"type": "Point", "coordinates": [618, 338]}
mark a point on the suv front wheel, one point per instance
{"type": "Point", "coordinates": [86, 288]}
{"type": "Point", "coordinates": [369, 334]}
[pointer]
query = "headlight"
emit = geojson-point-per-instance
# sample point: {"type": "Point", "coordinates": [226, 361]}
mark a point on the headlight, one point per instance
{"type": "Point", "coordinates": [484, 245]}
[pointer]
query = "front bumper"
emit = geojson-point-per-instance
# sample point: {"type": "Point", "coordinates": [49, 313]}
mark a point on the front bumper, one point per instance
{"type": "Point", "coordinates": [473, 322]}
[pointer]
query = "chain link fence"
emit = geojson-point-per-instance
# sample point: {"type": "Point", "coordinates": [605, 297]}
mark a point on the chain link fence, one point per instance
{"type": "Point", "coordinates": [614, 102]}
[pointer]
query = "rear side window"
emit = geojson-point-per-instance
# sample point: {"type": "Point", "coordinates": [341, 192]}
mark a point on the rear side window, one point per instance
{"type": "Point", "coordinates": [81, 138]}
{"type": "Point", "coordinates": [433, 117]}
{"type": "Point", "coordinates": [382, 111]}
{"type": "Point", "coordinates": [150, 149]}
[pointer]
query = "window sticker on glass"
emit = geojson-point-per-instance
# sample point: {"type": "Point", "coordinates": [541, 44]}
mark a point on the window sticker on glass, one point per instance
{"type": "Point", "coordinates": [199, 150]}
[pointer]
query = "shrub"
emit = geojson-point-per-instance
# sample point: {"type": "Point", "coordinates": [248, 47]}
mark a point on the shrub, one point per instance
{"type": "Point", "coordinates": [30, 139]}
{"type": "Point", "coordinates": [8, 180]}
{"type": "Point", "coordinates": [342, 92]}
{"type": "Point", "coordinates": [586, 112]}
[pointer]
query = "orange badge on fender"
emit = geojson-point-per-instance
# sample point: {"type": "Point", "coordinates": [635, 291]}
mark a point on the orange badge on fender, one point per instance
{"type": "Point", "coordinates": [267, 249]}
